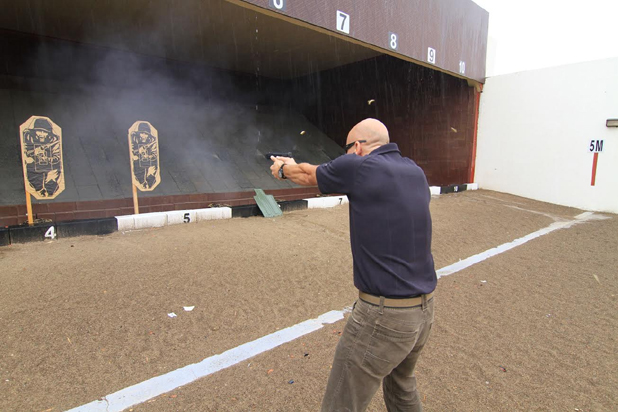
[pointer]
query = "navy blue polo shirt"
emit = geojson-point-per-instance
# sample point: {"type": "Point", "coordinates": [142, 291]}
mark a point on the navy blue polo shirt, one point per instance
{"type": "Point", "coordinates": [390, 223]}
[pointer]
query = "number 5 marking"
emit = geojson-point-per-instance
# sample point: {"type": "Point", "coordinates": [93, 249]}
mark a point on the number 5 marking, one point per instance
{"type": "Point", "coordinates": [343, 22]}
{"type": "Point", "coordinates": [187, 218]}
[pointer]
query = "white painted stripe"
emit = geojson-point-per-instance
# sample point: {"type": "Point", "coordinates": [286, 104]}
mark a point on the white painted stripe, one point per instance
{"type": "Point", "coordinates": [172, 217]}
{"type": "Point", "coordinates": [178, 217]}
{"type": "Point", "coordinates": [324, 202]}
{"type": "Point", "coordinates": [435, 190]}
{"type": "Point", "coordinates": [148, 220]}
{"type": "Point", "coordinates": [125, 222]}
{"type": "Point", "coordinates": [151, 388]}
{"type": "Point", "coordinates": [462, 264]}
{"type": "Point", "coordinates": [159, 385]}
{"type": "Point", "coordinates": [214, 213]}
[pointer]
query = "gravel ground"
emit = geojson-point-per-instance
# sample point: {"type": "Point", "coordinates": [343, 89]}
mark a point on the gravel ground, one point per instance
{"type": "Point", "coordinates": [534, 328]}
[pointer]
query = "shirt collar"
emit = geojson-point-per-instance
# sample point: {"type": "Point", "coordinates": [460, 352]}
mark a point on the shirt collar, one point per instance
{"type": "Point", "coordinates": [387, 148]}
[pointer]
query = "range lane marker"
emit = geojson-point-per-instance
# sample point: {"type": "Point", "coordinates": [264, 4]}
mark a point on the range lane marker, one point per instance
{"type": "Point", "coordinates": [463, 264]}
{"type": "Point", "coordinates": [151, 388]}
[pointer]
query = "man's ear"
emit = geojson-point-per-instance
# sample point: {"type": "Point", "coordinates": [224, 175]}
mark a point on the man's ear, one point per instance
{"type": "Point", "coordinates": [358, 149]}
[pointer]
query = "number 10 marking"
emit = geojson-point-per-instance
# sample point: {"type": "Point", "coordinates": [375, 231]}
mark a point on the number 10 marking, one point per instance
{"type": "Point", "coordinates": [278, 4]}
{"type": "Point", "coordinates": [343, 22]}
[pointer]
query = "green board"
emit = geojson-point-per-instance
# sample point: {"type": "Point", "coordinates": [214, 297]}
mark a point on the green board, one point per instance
{"type": "Point", "coordinates": [267, 204]}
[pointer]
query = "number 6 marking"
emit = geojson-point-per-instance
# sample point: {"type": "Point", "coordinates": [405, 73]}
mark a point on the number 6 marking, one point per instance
{"type": "Point", "coordinates": [393, 40]}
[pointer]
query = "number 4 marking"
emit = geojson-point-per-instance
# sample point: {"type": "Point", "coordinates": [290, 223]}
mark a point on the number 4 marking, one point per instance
{"type": "Point", "coordinates": [51, 233]}
{"type": "Point", "coordinates": [343, 22]}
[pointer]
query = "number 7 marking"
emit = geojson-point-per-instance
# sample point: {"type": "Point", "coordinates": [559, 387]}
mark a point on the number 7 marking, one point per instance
{"type": "Point", "coordinates": [343, 22]}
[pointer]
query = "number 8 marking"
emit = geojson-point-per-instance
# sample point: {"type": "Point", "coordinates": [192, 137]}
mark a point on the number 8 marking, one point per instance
{"type": "Point", "coordinates": [393, 41]}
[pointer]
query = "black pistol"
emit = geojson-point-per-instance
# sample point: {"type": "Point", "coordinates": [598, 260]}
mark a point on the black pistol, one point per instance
{"type": "Point", "coordinates": [276, 154]}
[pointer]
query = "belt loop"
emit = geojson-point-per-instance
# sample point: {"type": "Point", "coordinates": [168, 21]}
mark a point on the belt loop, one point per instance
{"type": "Point", "coordinates": [424, 301]}
{"type": "Point", "coordinates": [381, 305]}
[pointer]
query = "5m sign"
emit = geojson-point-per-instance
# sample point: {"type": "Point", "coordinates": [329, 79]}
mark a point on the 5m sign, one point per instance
{"type": "Point", "coordinates": [596, 147]}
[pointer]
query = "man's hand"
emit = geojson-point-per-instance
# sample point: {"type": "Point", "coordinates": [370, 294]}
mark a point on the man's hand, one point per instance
{"type": "Point", "coordinates": [285, 160]}
{"type": "Point", "coordinates": [278, 162]}
{"type": "Point", "coordinates": [302, 174]}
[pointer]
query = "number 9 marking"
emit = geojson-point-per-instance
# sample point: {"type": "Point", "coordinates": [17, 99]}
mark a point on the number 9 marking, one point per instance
{"type": "Point", "coordinates": [431, 55]}
{"type": "Point", "coordinates": [392, 40]}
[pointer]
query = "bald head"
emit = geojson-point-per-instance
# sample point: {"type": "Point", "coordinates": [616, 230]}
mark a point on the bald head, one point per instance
{"type": "Point", "coordinates": [371, 130]}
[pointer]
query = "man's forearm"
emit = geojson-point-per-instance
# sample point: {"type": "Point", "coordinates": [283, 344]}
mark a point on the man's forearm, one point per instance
{"type": "Point", "coordinates": [303, 174]}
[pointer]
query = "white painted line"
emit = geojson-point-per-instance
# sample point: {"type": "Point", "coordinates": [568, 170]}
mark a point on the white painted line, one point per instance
{"type": "Point", "coordinates": [178, 217]}
{"type": "Point", "coordinates": [324, 202]}
{"type": "Point", "coordinates": [435, 190]}
{"type": "Point", "coordinates": [172, 217]}
{"type": "Point", "coordinates": [125, 223]}
{"type": "Point", "coordinates": [462, 264]}
{"type": "Point", "coordinates": [148, 220]}
{"type": "Point", "coordinates": [159, 385]}
{"type": "Point", "coordinates": [214, 213]}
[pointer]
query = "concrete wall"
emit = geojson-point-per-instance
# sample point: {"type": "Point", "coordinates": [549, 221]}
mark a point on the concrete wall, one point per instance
{"type": "Point", "coordinates": [535, 130]}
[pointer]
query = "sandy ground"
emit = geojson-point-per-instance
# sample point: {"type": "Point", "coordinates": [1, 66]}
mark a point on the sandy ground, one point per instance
{"type": "Point", "coordinates": [532, 329]}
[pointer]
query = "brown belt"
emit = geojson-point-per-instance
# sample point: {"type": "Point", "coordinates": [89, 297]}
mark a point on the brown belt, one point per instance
{"type": "Point", "coordinates": [395, 303]}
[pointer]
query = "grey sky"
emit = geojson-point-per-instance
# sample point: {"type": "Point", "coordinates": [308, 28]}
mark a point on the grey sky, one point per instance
{"type": "Point", "coordinates": [532, 34]}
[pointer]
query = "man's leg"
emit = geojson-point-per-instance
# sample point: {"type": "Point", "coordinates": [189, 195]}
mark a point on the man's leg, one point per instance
{"type": "Point", "coordinates": [349, 388]}
{"type": "Point", "coordinates": [375, 340]}
{"type": "Point", "coordinates": [400, 393]}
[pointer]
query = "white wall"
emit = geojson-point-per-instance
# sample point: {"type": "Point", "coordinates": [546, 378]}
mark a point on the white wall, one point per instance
{"type": "Point", "coordinates": [535, 129]}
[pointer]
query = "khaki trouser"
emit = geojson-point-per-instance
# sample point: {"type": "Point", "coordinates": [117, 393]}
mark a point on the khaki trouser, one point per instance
{"type": "Point", "coordinates": [378, 344]}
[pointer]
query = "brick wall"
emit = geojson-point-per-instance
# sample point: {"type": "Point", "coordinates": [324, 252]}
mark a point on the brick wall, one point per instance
{"type": "Point", "coordinates": [65, 211]}
{"type": "Point", "coordinates": [429, 114]}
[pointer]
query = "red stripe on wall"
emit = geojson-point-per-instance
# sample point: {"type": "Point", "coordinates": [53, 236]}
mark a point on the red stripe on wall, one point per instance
{"type": "Point", "coordinates": [594, 168]}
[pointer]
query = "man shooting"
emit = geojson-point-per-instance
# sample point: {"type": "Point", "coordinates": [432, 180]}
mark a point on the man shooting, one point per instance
{"type": "Point", "coordinates": [390, 235]}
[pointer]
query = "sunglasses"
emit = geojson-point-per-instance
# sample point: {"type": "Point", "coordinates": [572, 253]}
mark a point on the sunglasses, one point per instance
{"type": "Point", "coordinates": [347, 147]}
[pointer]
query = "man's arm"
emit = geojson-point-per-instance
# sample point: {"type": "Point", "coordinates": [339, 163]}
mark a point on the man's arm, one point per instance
{"type": "Point", "coordinates": [303, 174]}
